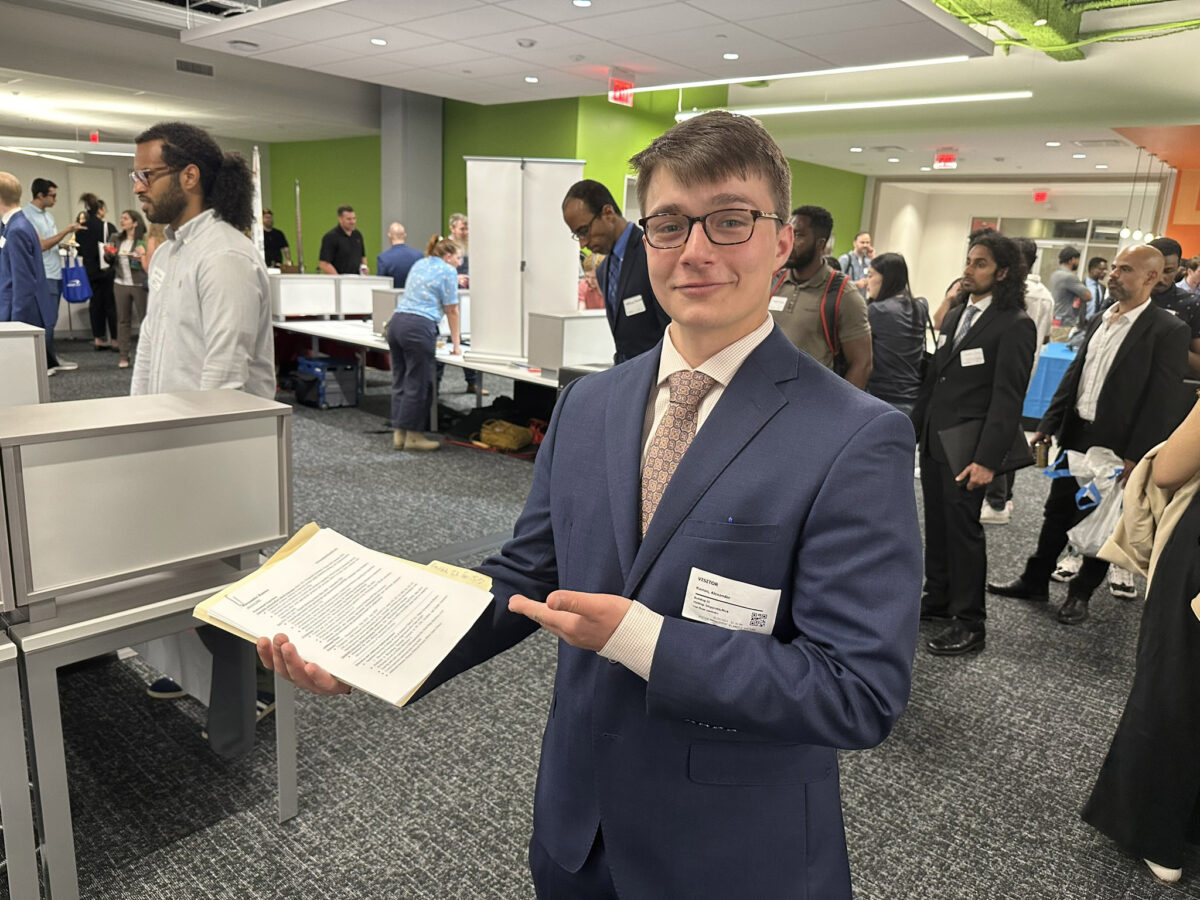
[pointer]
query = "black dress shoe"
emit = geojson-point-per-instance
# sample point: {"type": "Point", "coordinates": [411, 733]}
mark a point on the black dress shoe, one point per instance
{"type": "Point", "coordinates": [1074, 610]}
{"type": "Point", "coordinates": [955, 641]}
{"type": "Point", "coordinates": [1020, 589]}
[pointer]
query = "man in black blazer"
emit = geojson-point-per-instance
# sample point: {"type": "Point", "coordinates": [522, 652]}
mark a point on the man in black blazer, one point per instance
{"type": "Point", "coordinates": [977, 380]}
{"type": "Point", "coordinates": [1124, 391]}
{"type": "Point", "coordinates": [595, 220]}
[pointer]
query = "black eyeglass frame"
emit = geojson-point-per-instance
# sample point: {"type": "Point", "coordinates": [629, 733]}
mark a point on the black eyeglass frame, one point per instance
{"type": "Point", "coordinates": [703, 220]}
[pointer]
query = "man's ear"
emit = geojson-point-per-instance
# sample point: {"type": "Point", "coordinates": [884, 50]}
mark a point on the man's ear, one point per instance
{"type": "Point", "coordinates": [1001, 274]}
{"type": "Point", "coordinates": [189, 177]}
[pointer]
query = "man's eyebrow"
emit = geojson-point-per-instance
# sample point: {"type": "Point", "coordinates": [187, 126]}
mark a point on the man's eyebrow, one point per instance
{"type": "Point", "coordinates": [719, 201]}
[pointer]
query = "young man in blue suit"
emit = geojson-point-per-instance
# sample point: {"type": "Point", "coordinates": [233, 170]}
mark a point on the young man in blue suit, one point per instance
{"type": "Point", "coordinates": [24, 294]}
{"type": "Point", "coordinates": [732, 607]}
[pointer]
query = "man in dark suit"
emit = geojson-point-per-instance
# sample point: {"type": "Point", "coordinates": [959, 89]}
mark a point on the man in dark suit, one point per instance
{"type": "Point", "coordinates": [1123, 391]}
{"type": "Point", "coordinates": [975, 385]}
{"type": "Point", "coordinates": [24, 296]}
{"type": "Point", "coordinates": [634, 314]}
{"type": "Point", "coordinates": [722, 626]}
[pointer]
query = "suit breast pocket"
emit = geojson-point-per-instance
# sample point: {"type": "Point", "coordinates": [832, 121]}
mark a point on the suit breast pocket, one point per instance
{"type": "Point", "coordinates": [731, 532]}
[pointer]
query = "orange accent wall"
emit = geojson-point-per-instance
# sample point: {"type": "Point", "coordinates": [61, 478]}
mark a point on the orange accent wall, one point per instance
{"type": "Point", "coordinates": [1179, 147]}
{"type": "Point", "coordinates": [1183, 223]}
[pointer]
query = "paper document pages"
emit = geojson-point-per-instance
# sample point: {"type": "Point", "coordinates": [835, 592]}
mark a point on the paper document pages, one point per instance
{"type": "Point", "coordinates": [378, 623]}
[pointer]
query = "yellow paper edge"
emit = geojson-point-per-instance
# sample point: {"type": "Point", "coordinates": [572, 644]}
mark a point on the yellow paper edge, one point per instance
{"type": "Point", "coordinates": [294, 543]}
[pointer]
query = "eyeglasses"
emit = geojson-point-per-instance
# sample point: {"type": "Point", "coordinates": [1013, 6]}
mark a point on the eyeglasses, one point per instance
{"type": "Point", "coordinates": [667, 231]}
{"type": "Point", "coordinates": [583, 232]}
{"type": "Point", "coordinates": [143, 176]}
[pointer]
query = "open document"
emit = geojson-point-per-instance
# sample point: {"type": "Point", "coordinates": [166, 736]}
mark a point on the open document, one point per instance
{"type": "Point", "coordinates": [378, 623]}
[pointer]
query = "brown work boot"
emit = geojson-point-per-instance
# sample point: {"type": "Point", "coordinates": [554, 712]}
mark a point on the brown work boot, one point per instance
{"type": "Point", "coordinates": [398, 439]}
{"type": "Point", "coordinates": [414, 440]}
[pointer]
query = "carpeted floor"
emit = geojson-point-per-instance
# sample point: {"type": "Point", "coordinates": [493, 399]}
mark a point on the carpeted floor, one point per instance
{"type": "Point", "coordinates": [975, 794]}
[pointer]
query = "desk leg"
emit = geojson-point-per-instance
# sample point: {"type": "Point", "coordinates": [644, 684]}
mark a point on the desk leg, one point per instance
{"type": "Point", "coordinates": [433, 422]}
{"type": "Point", "coordinates": [285, 747]}
{"type": "Point", "coordinates": [50, 770]}
{"type": "Point", "coordinates": [15, 808]}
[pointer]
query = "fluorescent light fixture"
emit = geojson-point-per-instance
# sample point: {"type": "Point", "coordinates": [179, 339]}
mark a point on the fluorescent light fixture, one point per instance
{"type": "Point", "coordinates": [926, 169]}
{"type": "Point", "coordinates": [531, 79]}
{"type": "Point", "coordinates": [856, 149]}
{"type": "Point", "coordinates": [1078, 156]}
{"type": "Point", "coordinates": [893, 159]}
{"type": "Point", "coordinates": [379, 42]}
{"type": "Point", "coordinates": [18, 150]}
{"type": "Point", "coordinates": [24, 152]}
{"type": "Point", "coordinates": [1101, 166]}
{"type": "Point", "coordinates": [845, 70]}
{"type": "Point", "coordinates": [1053, 143]}
{"type": "Point", "coordinates": [730, 56]}
{"type": "Point", "coordinates": [108, 153]}
{"type": "Point", "coordinates": [866, 104]}
{"type": "Point", "coordinates": [582, 4]}
{"type": "Point", "coordinates": [1038, 23]}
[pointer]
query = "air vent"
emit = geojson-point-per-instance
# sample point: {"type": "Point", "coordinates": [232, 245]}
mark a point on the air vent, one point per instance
{"type": "Point", "coordinates": [1102, 142]}
{"type": "Point", "coordinates": [193, 68]}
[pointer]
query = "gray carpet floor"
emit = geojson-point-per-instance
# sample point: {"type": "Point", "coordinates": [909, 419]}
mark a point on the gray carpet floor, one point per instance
{"type": "Point", "coordinates": [975, 794]}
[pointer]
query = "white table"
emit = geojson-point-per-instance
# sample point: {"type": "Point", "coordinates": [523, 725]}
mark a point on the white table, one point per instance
{"type": "Point", "coordinates": [103, 621]}
{"type": "Point", "coordinates": [15, 808]}
{"type": "Point", "coordinates": [360, 334]}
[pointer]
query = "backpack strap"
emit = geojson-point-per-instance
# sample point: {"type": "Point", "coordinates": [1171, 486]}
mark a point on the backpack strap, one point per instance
{"type": "Point", "coordinates": [830, 310]}
{"type": "Point", "coordinates": [780, 278]}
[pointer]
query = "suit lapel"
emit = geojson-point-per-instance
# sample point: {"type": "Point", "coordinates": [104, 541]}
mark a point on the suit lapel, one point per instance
{"type": "Point", "coordinates": [747, 404]}
{"type": "Point", "coordinates": [623, 425]}
{"type": "Point", "coordinates": [602, 273]}
{"type": "Point", "coordinates": [941, 356]}
{"type": "Point", "coordinates": [1137, 331]}
{"type": "Point", "coordinates": [633, 247]}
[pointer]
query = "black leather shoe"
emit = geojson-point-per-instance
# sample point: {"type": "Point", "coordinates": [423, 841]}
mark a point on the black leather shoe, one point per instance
{"type": "Point", "coordinates": [955, 641]}
{"type": "Point", "coordinates": [1020, 589]}
{"type": "Point", "coordinates": [1074, 610]}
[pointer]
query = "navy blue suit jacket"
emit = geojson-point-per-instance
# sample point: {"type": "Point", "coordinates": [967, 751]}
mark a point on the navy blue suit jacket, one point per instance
{"type": "Point", "coordinates": [24, 294]}
{"type": "Point", "coordinates": [395, 261]}
{"type": "Point", "coordinates": [632, 335]}
{"type": "Point", "coordinates": [719, 776]}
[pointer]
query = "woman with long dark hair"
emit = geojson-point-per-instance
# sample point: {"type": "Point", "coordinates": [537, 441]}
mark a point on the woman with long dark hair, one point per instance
{"type": "Point", "coordinates": [129, 284]}
{"type": "Point", "coordinates": [899, 324]}
{"type": "Point", "coordinates": [92, 240]}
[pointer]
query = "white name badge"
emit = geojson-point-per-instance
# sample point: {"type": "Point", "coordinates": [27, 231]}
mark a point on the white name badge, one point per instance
{"type": "Point", "coordinates": [972, 357]}
{"type": "Point", "coordinates": [157, 277]}
{"type": "Point", "coordinates": [634, 305]}
{"type": "Point", "coordinates": [3, 241]}
{"type": "Point", "coordinates": [941, 341]}
{"type": "Point", "coordinates": [717, 600]}
{"type": "Point", "coordinates": [777, 304]}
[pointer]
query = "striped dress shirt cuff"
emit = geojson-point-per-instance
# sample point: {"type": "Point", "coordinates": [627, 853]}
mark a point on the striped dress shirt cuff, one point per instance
{"type": "Point", "coordinates": [632, 644]}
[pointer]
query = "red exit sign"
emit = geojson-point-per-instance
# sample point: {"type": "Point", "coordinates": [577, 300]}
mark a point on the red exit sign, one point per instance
{"type": "Point", "coordinates": [620, 91]}
{"type": "Point", "coordinates": [1041, 196]}
{"type": "Point", "coordinates": [945, 159]}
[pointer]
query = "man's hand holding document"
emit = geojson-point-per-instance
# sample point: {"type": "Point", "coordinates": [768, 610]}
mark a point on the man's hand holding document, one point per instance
{"type": "Point", "coordinates": [357, 616]}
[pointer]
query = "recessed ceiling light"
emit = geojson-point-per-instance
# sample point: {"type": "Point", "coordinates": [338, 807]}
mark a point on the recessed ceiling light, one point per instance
{"type": "Point", "coordinates": [856, 149]}
{"type": "Point", "coordinates": [531, 79]}
{"type": "Point", "coordinates": [926, 169]}
{"type": "Point", "coordinates": [1078, 156]}
{"type": "Point", "coordinates": [893, 159]}
{"type": "Point", "coordinates": [379, 42]}
{"type": "Point", "coordinates": [582, 4]}
{"type": "Point", "coordinates": [1101, 166]}
{"type": "Point", "coordinates": [729, 56]}
{"type": "Point", "coordinates": [1038, 23]}
{"type": "Point", "coordinates": [1053, 143]}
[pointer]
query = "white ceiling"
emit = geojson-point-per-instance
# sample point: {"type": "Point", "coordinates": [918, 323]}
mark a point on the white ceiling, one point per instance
{"type": "Point", "coordinates": [479, 51]}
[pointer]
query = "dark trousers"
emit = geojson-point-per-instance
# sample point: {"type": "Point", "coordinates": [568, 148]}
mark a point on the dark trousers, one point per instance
{"type": "Point", "coordinates": [1060, 516]}
{"type": "Point", "coordinates": [232, 713]}
{"type": "Point", "coordinates": [551, 881]}
{"type": "Point", "coordinates": [955, 550]}
{"type": "Point", "coordinates": [412, 340]}
{"type": "Point", "coordinates": [1000, 491]}
{"type": "Point", "coordinates": [54, 286]}
{"type": "Point", "coordinates": [103, 306]}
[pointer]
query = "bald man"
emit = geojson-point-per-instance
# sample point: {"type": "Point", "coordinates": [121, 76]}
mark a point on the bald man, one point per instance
{"type": "Point", "coordinates": [1124, 391]}
{"type": "Point", "coordinates": [397, 259]}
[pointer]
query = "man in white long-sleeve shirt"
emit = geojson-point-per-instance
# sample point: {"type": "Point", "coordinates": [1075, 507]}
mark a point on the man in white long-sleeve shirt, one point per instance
{"type": "Point", "coordinates": [207, 326]}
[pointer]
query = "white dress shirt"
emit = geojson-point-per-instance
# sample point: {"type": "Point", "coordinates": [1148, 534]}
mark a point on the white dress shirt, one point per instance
{"type": "Point", "coordinates": [208, 322]}
{"type": "Point", "coordinates": [633, 643]}
{"type": "Point", "coordinates": [1102, 349]}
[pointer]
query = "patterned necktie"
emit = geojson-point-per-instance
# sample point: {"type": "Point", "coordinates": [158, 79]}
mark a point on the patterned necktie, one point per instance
{"type": "Point", "coordinates": [968, 321]}
{"type": "Point", "coordinates": [673, 437]}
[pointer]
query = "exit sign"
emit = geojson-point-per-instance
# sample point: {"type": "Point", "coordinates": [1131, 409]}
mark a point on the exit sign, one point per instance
{"type": "Point", "coordinates": [946, 158]}
{"type": "Point", "coordinates": [1041, 196]}
{"type": "Point", "coordinates": [620, 91]}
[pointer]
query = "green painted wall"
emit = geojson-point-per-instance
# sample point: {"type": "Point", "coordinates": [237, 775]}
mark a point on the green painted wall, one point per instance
{"type": "Point", "coordinates": [545, 129]}
{"type": "Point", "coordinates": [840, 192]}
{"type": "Point", "coordinates": [331, 173]}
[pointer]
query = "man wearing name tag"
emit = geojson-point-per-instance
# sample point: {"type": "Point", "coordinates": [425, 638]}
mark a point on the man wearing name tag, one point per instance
{"type": "Point", "coordinates": [207, 326]}
{"type": "Point", "coordinates": [634, 314]}
{"type": "Point", "coordinates": [977, 381]}
{"type": "Point", "coordinates": [723, 628]}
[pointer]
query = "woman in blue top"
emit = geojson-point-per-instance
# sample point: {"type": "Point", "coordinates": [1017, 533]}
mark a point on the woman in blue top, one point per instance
{"type": "Point", "coordinates": [430, 292]}
{"type": "Point", "coordinates": [898, 326]}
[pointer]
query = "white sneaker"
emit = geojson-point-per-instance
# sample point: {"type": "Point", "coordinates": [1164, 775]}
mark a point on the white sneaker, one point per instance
{"type": "Point", "coordinates": [65, 365]}
{"type": "Point", "coordinates": [989, 515]}
{"type": "Point", "coordinates": [50, 372]}
{"type": "Point", "coordinates": [1162, 873]}
{"type": "Point", "coordinates": [1120, 583]}
{"type": "Point", "coordinates": [1068, 568]}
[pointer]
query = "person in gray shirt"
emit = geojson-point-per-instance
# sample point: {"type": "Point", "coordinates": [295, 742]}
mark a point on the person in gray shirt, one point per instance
{"type": "Point", "coordinates": [1070, 296]}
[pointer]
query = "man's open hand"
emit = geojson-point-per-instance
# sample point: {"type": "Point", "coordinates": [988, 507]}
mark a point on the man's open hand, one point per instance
{"type": "Point", "coordinates": [282, 657]}
{"type": "Point", "coordinates": [582, 620]}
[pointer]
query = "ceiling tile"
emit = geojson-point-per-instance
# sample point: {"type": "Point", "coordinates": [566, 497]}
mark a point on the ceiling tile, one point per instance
{"type": "Point", "coordinates": [320, 23]}
{"type": "Point", "coordinates": [266, 41]}
{"type": "Point", "coordinates": [491, 67]}
{"type": "Point", "coordinates": [665, 19]}
{"type": "Point", "coordinates": [360, 42]}
{"type": "Point", "coordinates": [880, 45]}
{"type": "Point", "coordinates": [398, 12]}
{"type": "Point", "coordinates": [437, 54]}
{"type": "Point", "coordinates": [564, 13]}
{"type": "Point", "coordinates": [471, 23]}
{"type": "Point", "coordinates": [701, 48]}
{"type": "Point", "coordinates": [833, 19]}
{"type": "Point", "coordinates": [305, 55]}
{"type": "Point", "coordinates": [547, 37]}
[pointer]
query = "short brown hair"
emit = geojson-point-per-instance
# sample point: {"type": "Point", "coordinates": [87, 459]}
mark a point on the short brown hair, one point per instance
{"type": "Point", "coordinates": [713, 146]}
{"type": "Point", "coordinates": [10, 189]}
{"type": "Point", "coordinates": [440, 246]}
